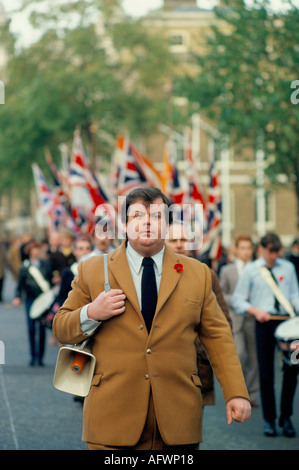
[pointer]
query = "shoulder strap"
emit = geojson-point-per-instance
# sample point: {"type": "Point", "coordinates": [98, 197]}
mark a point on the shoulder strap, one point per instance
{"type": "Point", "coordinates": [106, 285]}
{"type": "Point", "coordinates": [74, 268]}
{"type": "Point", "coordinates": [39, 278]}
{"type": "Point", "coordinates": [276, 291]}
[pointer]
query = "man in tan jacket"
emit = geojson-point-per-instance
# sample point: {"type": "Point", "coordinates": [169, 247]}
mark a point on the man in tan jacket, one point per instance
{"type": "Point", "coordinates": [146, 393]}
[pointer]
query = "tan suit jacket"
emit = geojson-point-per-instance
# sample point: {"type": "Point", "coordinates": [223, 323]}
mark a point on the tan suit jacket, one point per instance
{"type": "Point", "coordinates": [131, 362]}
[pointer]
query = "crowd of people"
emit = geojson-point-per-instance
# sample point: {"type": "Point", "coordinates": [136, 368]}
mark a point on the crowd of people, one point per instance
{"type": "Point", "coordinates": [248, 306]}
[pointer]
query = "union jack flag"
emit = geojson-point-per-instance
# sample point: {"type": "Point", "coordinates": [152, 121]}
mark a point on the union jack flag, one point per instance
{"type": "Point", "coordinates": [82, 176]}
{"type": "Point", "coordinates": [49, 203]}
{"type": "Point", "coordinates": [131, 174]}
{"type": "Point", "coordinates": [212, 237]}
{"type": "Point", "coordinates": [172, 186]}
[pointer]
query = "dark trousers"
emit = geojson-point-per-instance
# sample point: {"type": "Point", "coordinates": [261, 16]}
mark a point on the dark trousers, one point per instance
{"type": "Point", "coordinates": [37, 335]}
{"type": "Point", "coordinates": [266, 343]}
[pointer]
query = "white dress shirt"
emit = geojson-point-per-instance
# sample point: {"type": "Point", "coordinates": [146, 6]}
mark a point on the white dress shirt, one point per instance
{"type": "Point", "coordinates": [136, 268]}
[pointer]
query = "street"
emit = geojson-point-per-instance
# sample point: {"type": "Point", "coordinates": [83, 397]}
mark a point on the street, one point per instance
{"type": "Point", "coordinates": [36, 416]}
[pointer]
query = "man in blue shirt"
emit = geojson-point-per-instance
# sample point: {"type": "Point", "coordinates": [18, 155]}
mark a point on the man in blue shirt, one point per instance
{"type": "Point", "coordinates": [253, 295]}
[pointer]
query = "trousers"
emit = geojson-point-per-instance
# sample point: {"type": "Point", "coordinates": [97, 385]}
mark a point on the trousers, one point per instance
{"type": "Point", "coordinates": [266, 343]}
{"type": "Point", "coordinates": [150, 439]}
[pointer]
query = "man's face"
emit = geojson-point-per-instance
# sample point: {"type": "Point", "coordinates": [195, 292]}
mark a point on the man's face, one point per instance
{"type": "Point", "coordinates": [103, 242]}
{"type": "Point", "coordinates": [146, 226]}
{"type": "Point", "coordinates": [81, 249]}
{"type": "Point", "coordinates": [270, 256]}
{"type": "Point", "coordinates": [177, 239]}
{"type": "Point", "coordinates": [244, 250]}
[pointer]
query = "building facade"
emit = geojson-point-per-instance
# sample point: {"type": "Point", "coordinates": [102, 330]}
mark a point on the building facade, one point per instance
{"type": "Point", "coordinates": [251, 204]}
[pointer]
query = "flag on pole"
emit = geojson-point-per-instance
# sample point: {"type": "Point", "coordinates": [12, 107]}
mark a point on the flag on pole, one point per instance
{"type": "Point", "coordinates": [55, 213]}
{"type": "Point", "coordinates": [131, 175]}
{"type": "Point", "coordinates": [57, 178]}
{"type": "Point", "coordinates": [88, 199]}
{"type": "Point", "coordinates": [152, 175]}
{"type": "Point", "coordinates": [82, 177]}
{"type": "Point", "coordinates": [195, 191]}
{"type": "Point", "coordinates": [212, 238]}
{"type": "Point", "coordinates": [171, 181]}
{"type": "Point", "coordinates": [116, 165]}
{"type": "Point", "coordinates": [196, 197]}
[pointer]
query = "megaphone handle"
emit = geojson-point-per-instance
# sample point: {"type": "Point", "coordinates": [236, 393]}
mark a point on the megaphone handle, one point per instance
{"type": "Point", "coordinates": [79, 362]}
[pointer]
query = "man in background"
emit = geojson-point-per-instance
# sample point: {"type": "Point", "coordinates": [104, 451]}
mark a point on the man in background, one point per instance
{"type": "Point", "coordinates": [243, 325]}
{"type": "Point", "coordinates": [254, 296]}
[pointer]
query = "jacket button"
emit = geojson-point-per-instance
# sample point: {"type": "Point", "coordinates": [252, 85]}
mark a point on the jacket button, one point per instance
{"type": "Point", "coordinates": [140, 327]}
{"type": "Point", "coordinates": [148, 351]}
{"type": "Point", "coordinates": [146, 376]}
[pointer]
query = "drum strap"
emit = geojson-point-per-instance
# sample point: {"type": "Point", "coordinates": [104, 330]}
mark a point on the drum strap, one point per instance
{"type": "Point", "coordinates": [39, 278]}
{"type": "Point", "coordinates": [277, 292]}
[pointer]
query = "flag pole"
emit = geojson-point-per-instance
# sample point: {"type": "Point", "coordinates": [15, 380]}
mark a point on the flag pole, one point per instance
{"type": "Point", "coordinates": [226, 201]}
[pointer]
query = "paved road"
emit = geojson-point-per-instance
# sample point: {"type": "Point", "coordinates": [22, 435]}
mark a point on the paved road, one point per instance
{"type": "Point", "coordinates": [36, 416]}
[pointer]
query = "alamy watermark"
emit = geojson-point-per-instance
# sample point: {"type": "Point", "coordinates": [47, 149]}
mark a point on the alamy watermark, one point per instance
{"type": "Point", "coordinates": [150, 222]}
{"type": "Point", "coordinates": [295, 94]}
{"type": "Point", "coordinates": [2, 353]}
{"type": "Point", "coordinates": [2, 93]}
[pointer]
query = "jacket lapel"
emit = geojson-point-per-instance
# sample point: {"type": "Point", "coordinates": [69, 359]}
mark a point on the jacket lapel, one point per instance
{"type": "Point", "coordinates": [170, 278]}
{"type": "Point", "coordinates": [119, 268]}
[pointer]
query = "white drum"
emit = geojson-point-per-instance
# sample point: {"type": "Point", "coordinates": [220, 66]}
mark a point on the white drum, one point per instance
{"type": "Point", "coordinates": [42, 303]}
{"type": "Point", "coordinates": [287, 336]}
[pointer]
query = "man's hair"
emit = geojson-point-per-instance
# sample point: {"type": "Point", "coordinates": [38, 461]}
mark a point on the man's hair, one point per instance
{"type": "Point", "coordinates": [242, 237]}
{"type": "Point", "coordinates": [147, 195]}
{"type": "Point", "coordinates": [271, 241]}
{"type": "Point", "coordinates": [84, 238]}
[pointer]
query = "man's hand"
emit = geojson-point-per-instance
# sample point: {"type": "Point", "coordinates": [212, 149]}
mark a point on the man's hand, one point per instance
{"type": "Point", "coordinates": [259, 314]}
{"type": "Point", "coordinates": [16, 301]}
{"type": "Point", "coordinates": [107, 305]}
{"type": "Point", "coordinates": [238, 409]}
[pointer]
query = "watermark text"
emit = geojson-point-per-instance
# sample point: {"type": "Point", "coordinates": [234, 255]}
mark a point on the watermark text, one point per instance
{"type": "Point", "coordinates": [295, 94]}
{"type": "Point", "coordinates": [2, 353]}
{"type": "Point", "coordinates": [2, 93]}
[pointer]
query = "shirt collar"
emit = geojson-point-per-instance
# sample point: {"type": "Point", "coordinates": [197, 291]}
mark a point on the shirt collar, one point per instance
{"type": "Point", "coordinates": [136, 259]}
{"type": "Point", "coordinates": [239, 264]}
{"type": "Point", "coordinates": [263, 262]}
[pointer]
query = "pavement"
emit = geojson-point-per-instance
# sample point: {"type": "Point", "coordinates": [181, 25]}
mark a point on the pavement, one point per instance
{"type": "Point", "coordinates": [36, 416]}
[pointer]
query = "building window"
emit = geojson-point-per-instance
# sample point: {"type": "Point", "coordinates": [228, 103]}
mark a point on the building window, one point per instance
{"type": "Point", "coordinates": [179, 41]}
{"type": "Point", "coordinates": [269, 209]}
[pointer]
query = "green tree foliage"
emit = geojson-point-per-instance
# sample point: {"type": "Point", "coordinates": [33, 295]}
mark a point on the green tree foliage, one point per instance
{"type": "Point", "coordinates": [79, 74]}
{"type": "Point", "coordinates": [244, 81]}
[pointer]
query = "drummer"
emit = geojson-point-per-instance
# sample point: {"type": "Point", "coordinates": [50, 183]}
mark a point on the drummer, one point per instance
{"type": "Point", "coordinates": [34, 273]}
{"type": "Point", "coordinates": [254, 296]}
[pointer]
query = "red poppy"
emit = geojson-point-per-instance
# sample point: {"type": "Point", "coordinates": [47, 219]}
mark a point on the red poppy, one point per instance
{"type": "Point", "coordinates": [281, 278]}
{"type": "Point", "coordinates": [178, 267]}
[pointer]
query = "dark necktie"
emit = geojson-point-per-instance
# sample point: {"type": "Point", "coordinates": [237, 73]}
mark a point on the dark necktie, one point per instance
{"type": "Point", "coordinates": [148, 292]}
{"type": "Point", "coordinates": [276, 304]}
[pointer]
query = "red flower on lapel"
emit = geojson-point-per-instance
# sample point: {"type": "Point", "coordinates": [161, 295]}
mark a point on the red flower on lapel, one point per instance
{"type": "Point", "coordinates": [281, 278]}
{"type": "Point", "coordinates": [178, 267]}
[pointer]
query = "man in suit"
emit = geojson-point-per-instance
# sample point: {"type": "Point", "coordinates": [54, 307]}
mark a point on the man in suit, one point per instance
{"type": "Point", "coordinates": [243, 325]}
{"type": "Point", "coordinates": [146, 392]}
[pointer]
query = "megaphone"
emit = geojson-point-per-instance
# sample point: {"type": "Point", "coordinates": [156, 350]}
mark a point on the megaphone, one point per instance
{"type": "Point", "coordinates": [74, 370]}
